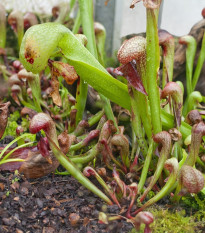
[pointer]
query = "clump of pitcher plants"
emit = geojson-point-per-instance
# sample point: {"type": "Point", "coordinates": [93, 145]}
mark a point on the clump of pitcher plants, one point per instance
{"type": "Point", "coordinates": [146, 140]}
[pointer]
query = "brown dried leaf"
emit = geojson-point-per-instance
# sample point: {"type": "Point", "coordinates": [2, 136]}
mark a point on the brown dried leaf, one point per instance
{"type": "Point", "coordinates": [15, 185]}
{"type": "Point", "coordinates": [70, 75]}
{"type": "Point", "coordinates": [36, 165]}
{"type": "Point", "coordinates": [65, 141]}
{"type": "Point", "coordinates": [4, 111]}
{"type": "Point", "coordinates": [55, 91]}
{"type": "Point", "coordinates": [2, 186]}
{"type": "Point", "coordinates": [86, 221]}
{"type": "Point", "coordinates": [175, 134]}
{"type": "Point", "coordinates": [63, 69]}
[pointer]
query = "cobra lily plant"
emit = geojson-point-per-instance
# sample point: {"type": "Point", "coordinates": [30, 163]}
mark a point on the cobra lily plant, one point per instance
{"type": "Point", "coordinates": [126, 126]}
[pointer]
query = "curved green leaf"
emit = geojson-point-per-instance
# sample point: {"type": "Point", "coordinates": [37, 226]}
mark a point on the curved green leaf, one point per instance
{"type": "Point", "coordinates": [41, 40]}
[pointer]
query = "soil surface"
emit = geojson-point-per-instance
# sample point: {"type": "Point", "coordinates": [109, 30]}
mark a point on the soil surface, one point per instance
{"type": "Point", "coordinates": [50, 204]}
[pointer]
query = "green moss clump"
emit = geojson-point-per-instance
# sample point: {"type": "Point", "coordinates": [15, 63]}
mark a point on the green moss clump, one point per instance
{"type": "Point", "coordinates": [15, 120]}
{"type": "Point", "coordinates": [12, 124]}
{"type": "Point", "coordinates": [175, 221]}
{"type": "Point", "coordinates": [194, 202]}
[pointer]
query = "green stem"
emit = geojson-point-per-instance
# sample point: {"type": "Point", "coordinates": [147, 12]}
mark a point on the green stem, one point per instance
{"type": "Point", "coordinates": [177, 150]}
{"type": "Point", "coordinates": [166, 41]}
{"type": "Point", "coordinates": [135, 148]}
{"type": "Point", "coordinates": [141, 99]}
{"type": "Point", "coordinates": [63, 12]}
{"type": "Point", "coordinates": [71, 5]}
{"type": "Point", "coordinates": [77, 23]}
{"type": "Point", "coordinates": [20, 27]}
{"type": "Point", "coordinates": [81, 97]}
{"type": "Point", "coordinates": [81, 92]}
{"type": "Point", "coordinates": [190, 54]}
{"type": "Point", "coordinates": [164, 74]}
{"type": "Point", "coordinates": [93, 134]}
{"type": "Point", "coordinates": [2, 26]}
{"type": "Point", "coordinates": [11, 160]}
{"type": "Point", "coordinates": [108, 110]}
{"type": "Point", "coordinates": [199, 64]}
{"type": "Point", "coordinates": [100, 42]}
{"type": "Point", "coordinates": [177, 186]}
{"type": "Point", "coordinates": [20, 30]}
{"type": "Point", "coordinates": [165, 139]}
{"type": "Point", "coordinates": [77, 146]}
{"type": "Point", "coordinates": [95, 118]}
{"type": "Point", "coordinates": [34, 84]}
{"type": "Point", "coordinates": [143, 107]}
{"type": "Point", "coordinates": [89, 156]}
{"type": "Point", "coordinates": [152, 68]}
{"type": "Point", "coordinates": [146, 167]}
{"type": "Point", "coordinates": [137, 124]}
{"type": "Point", "coordinates": [86, 14]}
{"type": "Point", "coordinates": [163, 192]}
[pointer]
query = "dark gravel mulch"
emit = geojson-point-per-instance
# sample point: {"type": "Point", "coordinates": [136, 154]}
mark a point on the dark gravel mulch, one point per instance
{"type": "Point", "coordinates": [48, 204]}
